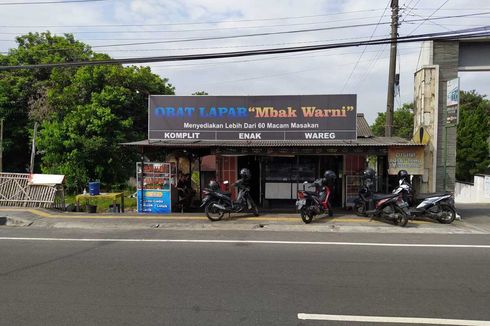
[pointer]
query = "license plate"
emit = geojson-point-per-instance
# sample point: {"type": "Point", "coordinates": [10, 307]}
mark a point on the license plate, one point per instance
{"type": "Point", "coordinates": [300, 203]}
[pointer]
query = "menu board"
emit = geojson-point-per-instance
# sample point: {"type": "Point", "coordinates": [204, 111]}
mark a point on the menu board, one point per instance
{"type": "Point", "coordinates": [154, 187]}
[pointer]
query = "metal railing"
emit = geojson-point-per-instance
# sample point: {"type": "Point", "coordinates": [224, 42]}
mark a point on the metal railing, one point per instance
{"type": "Point", "coordinates": [15, 190]}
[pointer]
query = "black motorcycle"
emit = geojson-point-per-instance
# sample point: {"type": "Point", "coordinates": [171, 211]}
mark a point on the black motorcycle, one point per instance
{"type": "Point", "coordinates": [437, 206]}
{"type": "Point", "coordinates": [390, 207]}
{"type": "Point", "coordinates": [312, 203]}
{"type": "Point", "coordinates": [216, 202]}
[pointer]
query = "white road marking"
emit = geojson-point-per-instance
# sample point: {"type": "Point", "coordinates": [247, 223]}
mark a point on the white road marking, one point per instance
{"type": "Point", "coordinates": [395, 320]}
{"type": "Point", "coordinates": [266, 242]}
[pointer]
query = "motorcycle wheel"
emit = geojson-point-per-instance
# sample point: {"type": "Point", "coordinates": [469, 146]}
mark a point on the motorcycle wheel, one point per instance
{"type": "Point", "coordinates": [213, 213]}
{"type": "Point", "coordinates": [360, 209]}
{"type": "Point", "coordinates": [253, 207]}
{"type": "Point", "coordinates": [330, 212]}
{"type": "Point", "coordinates": [449, 212]}
{"type": "Point", "coordinates": [255, 210]}
{"type": "Point", "coordinates": [402, 219]}
{"type": "Point", "coordinates": [307, 218]}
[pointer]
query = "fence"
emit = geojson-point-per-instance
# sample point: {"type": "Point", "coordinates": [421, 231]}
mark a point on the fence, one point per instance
{"type": "Point", "coordinates": [16, 189]}
{"type": "Point", "coordinates": [476, 192]}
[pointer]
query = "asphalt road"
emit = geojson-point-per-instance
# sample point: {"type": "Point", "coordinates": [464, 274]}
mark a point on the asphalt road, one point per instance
{"type": "Point", "coordinates": [120, 280]}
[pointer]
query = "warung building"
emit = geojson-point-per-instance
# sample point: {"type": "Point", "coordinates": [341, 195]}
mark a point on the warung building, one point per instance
{"type": "Point", "coordinates": [283, 140]}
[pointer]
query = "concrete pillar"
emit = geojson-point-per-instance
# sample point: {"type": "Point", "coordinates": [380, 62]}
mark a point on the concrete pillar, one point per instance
{"type": "Point", "coordinates": [439, 64]}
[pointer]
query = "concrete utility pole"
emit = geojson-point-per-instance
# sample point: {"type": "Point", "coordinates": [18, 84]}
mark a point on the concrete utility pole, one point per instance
{"type": "Point", "coordinates": [390, 103]}
{"type": "Point", "coordinates": [33, 151]}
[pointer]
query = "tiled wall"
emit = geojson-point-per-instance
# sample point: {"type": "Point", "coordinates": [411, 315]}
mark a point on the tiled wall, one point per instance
{"type": "Point", "coordinates": [227, 170]}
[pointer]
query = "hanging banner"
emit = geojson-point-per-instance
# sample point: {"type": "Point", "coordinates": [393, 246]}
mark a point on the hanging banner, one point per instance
{"type": "Point", "coordinates": [407, 158]}
{"type": "Point", "coordinates": [452, 102]}
{"type": "Point", "coordinates": [299, 117]}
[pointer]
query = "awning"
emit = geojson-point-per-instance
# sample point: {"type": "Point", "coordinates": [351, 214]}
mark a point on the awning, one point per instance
{"type": "Point", "coordinates": [359, 142]}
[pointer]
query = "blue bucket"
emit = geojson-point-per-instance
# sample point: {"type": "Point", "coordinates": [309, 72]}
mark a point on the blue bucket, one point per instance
{"type": "Point", "coordinates": [94, 188]}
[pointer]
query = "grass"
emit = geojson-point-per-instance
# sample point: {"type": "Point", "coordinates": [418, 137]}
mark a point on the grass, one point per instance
{"type": "Point", "coordinates": [103, 203]}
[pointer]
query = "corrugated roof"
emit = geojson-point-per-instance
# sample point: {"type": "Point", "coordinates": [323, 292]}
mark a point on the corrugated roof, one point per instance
{"type": "Point", "coordinates": [372, 142]}
{"type": "Point", "coordinates": [365, 137]}
{"type": "Point", "coordinates": [363, 129]}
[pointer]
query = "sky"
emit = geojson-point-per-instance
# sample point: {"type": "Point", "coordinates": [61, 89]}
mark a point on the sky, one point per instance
{"type": "Point", "coordinates": [356, 70]}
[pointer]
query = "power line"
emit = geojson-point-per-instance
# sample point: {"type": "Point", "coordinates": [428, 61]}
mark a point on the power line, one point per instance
{"type": "Point", "coordinates": [362, 53]}
{"type": "Point", "coordinates": [273, 75]}
{"type": "Point", "coordinates": [199, 23]}
{"type": "Point", "coordinates": [217, 47]}
{"type": "Point", "coordinates": [435, 23]}
{"type": "Point", "coordinates": [206, 65]}
{"type": "Point", "coordinates": [278, 32]}
{"type": "Point", "coordinates": [378, 55]}
{"type": "Point", "coordinates": [200, 30]}
{"type": "Point", "coordinates": [428, 17]}
{"type": "Point", "coordinates": [45, 2]}
{"type": "Point", "coordinates": [475, 15]}
{"type": "Point", "coordinates": [458, 34]}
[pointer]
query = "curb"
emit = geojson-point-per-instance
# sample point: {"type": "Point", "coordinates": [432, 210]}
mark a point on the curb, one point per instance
{"type": "Point", "coordinates": [14, 221]}
{"type": "Point", "coordinates": [41, 218]}
{"type": "Point", "coordinates": [276, 218]}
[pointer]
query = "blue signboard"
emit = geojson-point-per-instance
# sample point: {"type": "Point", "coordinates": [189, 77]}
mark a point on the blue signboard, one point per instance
{"type": "Point", "coordinates": [154, 201]}
{"type": "Point", "coordinates": [154, 187]}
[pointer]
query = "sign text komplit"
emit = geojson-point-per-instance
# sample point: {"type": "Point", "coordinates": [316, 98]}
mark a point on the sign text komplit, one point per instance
{"type": "Point", "coordinates": [289, 117]}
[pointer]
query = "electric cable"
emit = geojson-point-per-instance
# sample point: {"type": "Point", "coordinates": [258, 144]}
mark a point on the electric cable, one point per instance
{"type": "Point", "coordinates": [428, 17]}
{"type": "Point", "coordinates": [483, 31]}
{"type": "Point", "coordinates": [364, 49]}
{"type": "Point", "coordinates": [46, 2]}
{"type": "Point", "coordinates": [202, 29]}
{"type": "Point", "coordinates": [199, 23]}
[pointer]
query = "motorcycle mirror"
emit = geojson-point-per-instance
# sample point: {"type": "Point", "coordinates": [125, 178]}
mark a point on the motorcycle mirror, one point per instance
{"type": "Point", "coordinates": [225, 182]}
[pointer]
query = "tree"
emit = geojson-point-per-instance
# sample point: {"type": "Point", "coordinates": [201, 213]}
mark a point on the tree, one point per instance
{"type": "Point", "coordinates": [23, 92]}
{"type": "Point", "coordinates": [200, 93]}
{"type": "Point", "coordinates": [472, 152]}
{"type": "Point", "coordinates": [84, 113]}
{"type": "Point", "coordinates": [402, 122]}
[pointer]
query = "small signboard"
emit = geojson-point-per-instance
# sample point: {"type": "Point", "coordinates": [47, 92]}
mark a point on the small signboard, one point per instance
{"type": "Point", "coordinates": [452, 102]}
{"type": "Point", "coordinates": [406, 158]}
{"type": "Point", "coordinates": [154, 187]}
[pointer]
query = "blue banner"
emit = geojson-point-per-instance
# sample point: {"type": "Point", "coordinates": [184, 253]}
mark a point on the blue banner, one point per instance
{"type": "Point", "coordinates": [154, 201]}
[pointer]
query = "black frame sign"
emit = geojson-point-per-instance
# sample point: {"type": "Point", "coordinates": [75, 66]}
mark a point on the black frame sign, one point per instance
{"type": "Point", "coordinates": [290, 117]}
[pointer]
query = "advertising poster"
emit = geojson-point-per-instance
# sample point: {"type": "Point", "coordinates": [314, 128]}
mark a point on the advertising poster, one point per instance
{"type": "Point", "coordinates": [154, 201]}
{"type": "Point", "coordinates": [300, 117]}
{"type": "Point", "coordinates": [154, 187]}
{"type": "Point", "coordinates": [410, 159]}
{"type": "Point", "coordinates": [452, 102]}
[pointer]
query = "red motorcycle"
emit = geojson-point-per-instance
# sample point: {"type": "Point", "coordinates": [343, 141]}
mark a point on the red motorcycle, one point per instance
{"type": "Point", "coordinates": [312, 203]}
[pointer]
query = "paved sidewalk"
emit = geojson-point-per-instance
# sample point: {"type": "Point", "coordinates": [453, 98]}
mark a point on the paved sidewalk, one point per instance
{"type": "Point", "coordinates": [476, 220]}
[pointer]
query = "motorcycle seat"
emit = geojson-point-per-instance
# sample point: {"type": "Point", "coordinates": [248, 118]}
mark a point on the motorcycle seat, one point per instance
{"type": "Point", "coordinates": [311, 193]}
{"type": "Point", "coordinates": [427, 195]}
{"type": "Point", "coordinates": [383, 196]}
